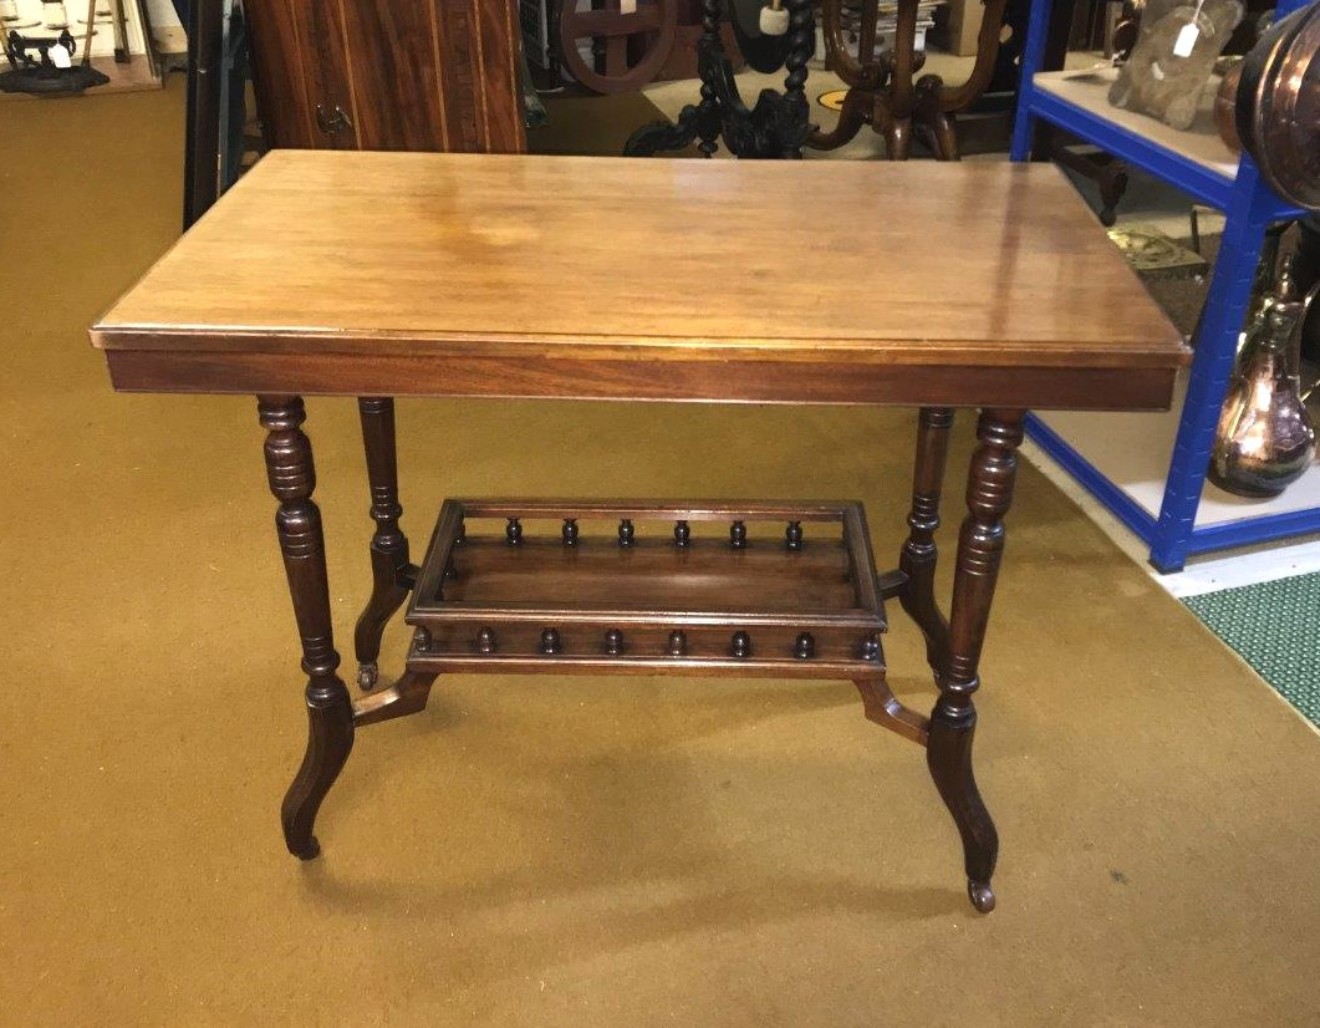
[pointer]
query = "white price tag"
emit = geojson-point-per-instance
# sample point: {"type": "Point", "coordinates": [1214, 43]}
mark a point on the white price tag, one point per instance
{"type": "Point", "coordinates": [628, 6]}
{"type": "Point", "coordinates": [60, 56]}
{"type": "Point", "coordinates": [1187, 37]}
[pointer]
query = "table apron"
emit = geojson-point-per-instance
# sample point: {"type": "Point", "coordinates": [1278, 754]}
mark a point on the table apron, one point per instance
{"type": "Point", "coordinates": [743, 381]}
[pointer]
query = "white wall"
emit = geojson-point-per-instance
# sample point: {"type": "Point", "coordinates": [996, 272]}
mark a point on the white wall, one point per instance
{"type": "Point", "coordinates": [103, 43]}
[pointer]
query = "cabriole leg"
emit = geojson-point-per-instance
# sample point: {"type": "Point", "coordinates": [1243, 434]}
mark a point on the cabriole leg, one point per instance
{"type": "Point", "coordinates": [920, 554]}
{"type": "Point", "coordinates": [953, 722]}
{"type": "Point", "coordinates": [389, 546]}
{"type": "Point", "coordinates": [329, 709]}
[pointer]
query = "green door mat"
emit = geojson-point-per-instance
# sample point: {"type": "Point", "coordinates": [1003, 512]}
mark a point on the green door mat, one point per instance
{"type": "Point", "coordinates": [1275, 626]}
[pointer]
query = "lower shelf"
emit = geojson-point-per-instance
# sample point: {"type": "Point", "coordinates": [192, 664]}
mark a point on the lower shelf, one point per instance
{"type": "Point", "coordinates": [785, 589]}
{"type": "Point", "coordinates": [1123, 459]}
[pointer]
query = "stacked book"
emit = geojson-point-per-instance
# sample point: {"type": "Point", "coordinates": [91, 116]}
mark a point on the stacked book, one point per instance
{"type": "Point", "coordinates": [886, 25]}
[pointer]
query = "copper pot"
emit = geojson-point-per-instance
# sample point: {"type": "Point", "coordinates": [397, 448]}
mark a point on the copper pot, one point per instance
{"type": "Point", "coordinates": [1278, 106]}
{"type": "Point", "coordinates": [1226, 108]}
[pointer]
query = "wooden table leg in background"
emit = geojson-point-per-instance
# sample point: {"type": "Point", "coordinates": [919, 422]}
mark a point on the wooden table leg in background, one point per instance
{"type": "Point", "coordinates": [392, 574]}
{"type": "Point", "coordinates": [920, 554]}
{"type": "Point", "coordinates": [329, 709]}
{"type": "Point", "coordinates": [953, 722]}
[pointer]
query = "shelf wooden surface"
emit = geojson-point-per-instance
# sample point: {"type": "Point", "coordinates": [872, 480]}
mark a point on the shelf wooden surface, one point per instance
{"type": "Point", "coordinates": [1089, 90]}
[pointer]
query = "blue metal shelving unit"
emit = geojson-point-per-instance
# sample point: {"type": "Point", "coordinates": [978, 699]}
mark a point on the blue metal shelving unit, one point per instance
{"type": "Point", "coordinates": [1250, 207]}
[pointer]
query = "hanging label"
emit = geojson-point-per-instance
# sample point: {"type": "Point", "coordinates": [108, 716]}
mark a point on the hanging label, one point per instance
{"type": "Point", "coordinates": [628, 6]}
{"type": "Point", "coordinates": [60, 56]}
{"type": "Point", "coordinates": [1187, 37]}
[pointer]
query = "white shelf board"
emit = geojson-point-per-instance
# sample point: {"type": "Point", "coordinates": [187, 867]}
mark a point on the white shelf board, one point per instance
{"type": "Point", "coordinates": [1133, 451]}
{"type": "Point", "coordinates": [1089, 90]}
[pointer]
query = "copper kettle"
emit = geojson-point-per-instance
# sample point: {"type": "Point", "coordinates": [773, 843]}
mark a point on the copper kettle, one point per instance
{"type": "Point", "coordinates": [1266, 439]}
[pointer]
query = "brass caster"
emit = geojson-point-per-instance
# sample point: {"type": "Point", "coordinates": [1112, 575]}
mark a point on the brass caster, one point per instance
{"type": "Point", "coordinates": [367, 676]}
{"type": "Point", "coordinates": [981, 895]}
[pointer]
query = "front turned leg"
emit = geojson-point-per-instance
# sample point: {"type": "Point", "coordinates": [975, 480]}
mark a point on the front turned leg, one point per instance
{"type": "Point", "coordinates": [953, 722]}
{"type": "Point", "coordinates": [920, 554]}
{"type": "Point", "coordinates": [329, 709]}
{"type": "Point", "coordinates": [389, 546]}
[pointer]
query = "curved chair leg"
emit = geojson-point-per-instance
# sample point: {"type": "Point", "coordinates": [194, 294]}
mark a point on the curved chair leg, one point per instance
{"type": "Point", "coordinates": [857, 107]}
{"type": "Point", "coordinates": [329, 742]}
{"type": "Point", "coordinates": [292, 478]}
{"type": "Point", "coordinates": [389, 546]}
{"type": "Point", "coordinates": [953, 722]}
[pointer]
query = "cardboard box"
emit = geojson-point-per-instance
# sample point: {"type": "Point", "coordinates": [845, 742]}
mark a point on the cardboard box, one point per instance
{"type": "Point", "coordinates": [957, 24]}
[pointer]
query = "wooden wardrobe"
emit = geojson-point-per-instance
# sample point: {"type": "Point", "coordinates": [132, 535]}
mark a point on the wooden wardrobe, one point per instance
{"type": "Point", "coordinates": [388, 74]}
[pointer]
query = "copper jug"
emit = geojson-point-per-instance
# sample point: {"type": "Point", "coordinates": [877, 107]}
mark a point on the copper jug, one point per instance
{"type": "Point", "coordinates": [1266, 438]}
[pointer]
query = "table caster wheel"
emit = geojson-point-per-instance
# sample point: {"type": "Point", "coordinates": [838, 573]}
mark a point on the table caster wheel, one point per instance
{"type": "Point", "coordinates": [368, 675]}
{"type": "Point", "coordinates": [981, 895]}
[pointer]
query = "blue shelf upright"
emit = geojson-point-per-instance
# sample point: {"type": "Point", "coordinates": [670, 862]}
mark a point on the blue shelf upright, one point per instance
{"type": "Point", "coordinates": [1250, 207]}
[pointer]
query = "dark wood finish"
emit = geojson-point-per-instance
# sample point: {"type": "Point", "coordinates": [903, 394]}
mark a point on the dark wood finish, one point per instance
{"type": "Point", "coordinates": [1108, 173]}
{"type": "Point", "coordinates": [388, 74]}
{"type": "Point", "coordinates": [391, 572]}
{"type": "Point", "coordinates": [920, 554]}
{"type": "Point", "coordinates": [885, 94]}
{"type": "Point", "coordinates": [953, 722]}
{"type": "Point", "coordinates": [329, 710]}
{"type": "Point", "coordinates": [1046, 315]}
{"type": "Point", "coordinates": [749, 599]}
{"type": "Point", "coordinates": [630, 48]}
{"type": "Point", "coordinates": [1047, 312]}
{"type": "Point", "coordinates": [776, 127]}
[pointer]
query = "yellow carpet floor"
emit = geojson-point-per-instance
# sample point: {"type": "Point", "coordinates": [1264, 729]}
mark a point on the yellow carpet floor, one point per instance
{"type": "Point", "coordinates": [536, 851]}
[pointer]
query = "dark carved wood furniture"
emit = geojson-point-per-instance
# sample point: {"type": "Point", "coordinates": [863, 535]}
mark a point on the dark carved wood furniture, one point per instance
{"type": "Point", "coordinates": [1047, 315]}
{"type": "Point", "coordinates": [884, 94]}
{"type": "Point", "coordinates": [776, 126]}
{"type": "Point", "coordinates": [388, 74]}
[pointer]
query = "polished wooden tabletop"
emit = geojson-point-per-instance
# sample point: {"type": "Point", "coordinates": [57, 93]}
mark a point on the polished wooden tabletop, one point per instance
{"type": "Point", "coordinates": [814, 281]}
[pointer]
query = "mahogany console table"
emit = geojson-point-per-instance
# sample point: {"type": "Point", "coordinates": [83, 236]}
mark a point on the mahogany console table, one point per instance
{"type": "Point", "coordinates": [373, 275]}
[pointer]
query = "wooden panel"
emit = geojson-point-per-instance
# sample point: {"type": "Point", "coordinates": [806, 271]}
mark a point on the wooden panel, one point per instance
{"type": "Point", "coordinates": [441, 373]}
{"type": "Point", "coordinates": [395, 79]}
{"type": "Point", "coordinates": [280, 61]}
{"type": "Point", "coordinates": [300, 64]}
{"type": "Point", "coordinates": [409, 74]}
{"type": "Point", "coordinates": [410, 255]}
{"type": "Point", "coordinates": [479, 45]}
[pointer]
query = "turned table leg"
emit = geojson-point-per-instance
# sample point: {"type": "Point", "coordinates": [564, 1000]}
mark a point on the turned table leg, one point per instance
{"type": "Point", "coordinates": [920, 554]}
{"type": "Point", "coordinates": [953, 722]}
{"type": "Point", "coordinates": [298, 524]}
{"type": "Point", "coordinates": [390, 569]}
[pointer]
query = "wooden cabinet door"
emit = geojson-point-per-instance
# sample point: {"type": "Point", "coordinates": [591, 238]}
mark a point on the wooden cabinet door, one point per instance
{"type": "Point", "coordinates": [389, 74]}
{"type": "Point", "coordinates": [301, 69]}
